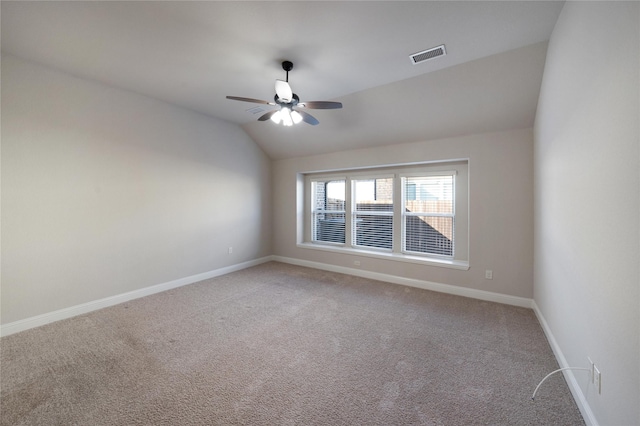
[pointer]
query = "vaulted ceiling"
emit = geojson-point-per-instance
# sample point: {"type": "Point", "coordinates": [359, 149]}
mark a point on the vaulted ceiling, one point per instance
{"type": "Point", "coordinates": [193, 54]}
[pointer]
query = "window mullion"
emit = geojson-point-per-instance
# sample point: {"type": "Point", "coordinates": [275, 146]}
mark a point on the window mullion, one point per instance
{"type": "Point", "coordinates": [398, 194]}
{"type": "Point", "coordinates": [348, 213]}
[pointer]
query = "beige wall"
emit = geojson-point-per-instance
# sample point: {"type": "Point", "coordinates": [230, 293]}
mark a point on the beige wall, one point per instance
{"type": "Point", "coordinates": [105, 192]}
{"type": "Point", "coordinates": [587, 208]}
{"type": "Point", "coordinates": [501, 209]}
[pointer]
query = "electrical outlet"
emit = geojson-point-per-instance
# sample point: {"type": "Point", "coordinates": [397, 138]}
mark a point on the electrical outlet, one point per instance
{"type": "Point", "coordinates": [230, 250]}
{"type": "Point", "coordinates": [356, 263]}
{"type": "Point", "coordinates": [597, 379]}
{"type": "Point", "coordinates": [488, 274]}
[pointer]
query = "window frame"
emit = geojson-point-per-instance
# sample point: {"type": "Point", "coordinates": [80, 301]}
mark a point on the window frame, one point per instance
{"type": "Point", "coordinates": [315, 211]}
{"type": "Point", "coordinates": [355, 212]}
{"type": "Point", "coordinates": [460, 167]}
{"type": "Point", "coordinates": [405, 214]}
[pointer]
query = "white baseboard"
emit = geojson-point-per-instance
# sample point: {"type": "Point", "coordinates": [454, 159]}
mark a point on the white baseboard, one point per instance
{"type": "Point", "coordinates": [576, 391]}
{"type": "Point", "coordinates": [578, 395]}
{"type": "Point", "coordinates": [25, 324]}
{"type": "Point", "coordinates": [39, 320]}
{"type": "Point", "coordinates": [426, 285]}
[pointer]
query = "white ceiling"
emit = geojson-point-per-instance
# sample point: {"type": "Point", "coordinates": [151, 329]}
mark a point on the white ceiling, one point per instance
{"type": "Point", "coordinates": [193, 54]}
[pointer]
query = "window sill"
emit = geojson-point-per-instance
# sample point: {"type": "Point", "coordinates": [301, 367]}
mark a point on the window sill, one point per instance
{"type": "Point", "coordinates": [462, 265]}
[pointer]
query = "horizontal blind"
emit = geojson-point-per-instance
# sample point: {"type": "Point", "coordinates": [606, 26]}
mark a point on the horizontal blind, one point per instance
{"type": "Point", "coordinates": [372, 213]}
{"type": "Point", "coordinates": [328, 211]}
{"type": "Point", "coordinates": [429, 214]}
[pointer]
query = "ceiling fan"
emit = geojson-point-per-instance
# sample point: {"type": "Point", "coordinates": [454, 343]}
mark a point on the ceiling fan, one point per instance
{"type": "Point", "coordinates": [287, 100]}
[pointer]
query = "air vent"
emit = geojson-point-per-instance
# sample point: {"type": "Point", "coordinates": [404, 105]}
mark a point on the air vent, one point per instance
{"type": "Point", "coordinates": [255, 110]}
{"type": "Point", "coordinates": [425, 55]}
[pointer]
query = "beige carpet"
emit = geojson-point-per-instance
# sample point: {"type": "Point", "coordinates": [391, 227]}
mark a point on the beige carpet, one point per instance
{"type": "Point", "coordinates": [284, 345]}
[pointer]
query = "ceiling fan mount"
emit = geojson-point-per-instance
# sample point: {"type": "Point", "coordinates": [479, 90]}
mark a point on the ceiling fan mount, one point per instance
{"type": "Point", "coordinates": [287, 66]}
{"type": "Point", "coordinates": [287, 100]}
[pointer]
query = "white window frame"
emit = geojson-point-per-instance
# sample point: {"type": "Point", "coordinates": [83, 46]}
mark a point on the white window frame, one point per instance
{"type": "Point", "coordinates": [406, 214]}
{"type": "Point", "coordinates": [315, 211]}
{"type": "Point", "coordinates": [459, 259]}
{"type": "Point", "coordinates": [355, 212]}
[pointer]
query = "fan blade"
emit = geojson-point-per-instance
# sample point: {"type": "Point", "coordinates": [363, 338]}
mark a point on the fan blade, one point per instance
{"type": "Point", "coordinates": [266, 116]}
{"type": "Point", "coordinates": [321, 105]}
{"type": "Point", "coordinates": [255, 101]}
{"type": "Point", "coordinates": [308, 118]}
{"type": "Point", "coordinates": [283, 90]}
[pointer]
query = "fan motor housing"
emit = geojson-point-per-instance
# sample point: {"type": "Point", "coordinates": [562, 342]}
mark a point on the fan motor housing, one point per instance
{"type": "Point", "coordinates": [294, 100]}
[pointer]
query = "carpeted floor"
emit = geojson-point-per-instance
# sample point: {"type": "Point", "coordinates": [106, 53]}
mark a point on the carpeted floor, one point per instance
{"type": "Point", "coordinates": [278, 344]}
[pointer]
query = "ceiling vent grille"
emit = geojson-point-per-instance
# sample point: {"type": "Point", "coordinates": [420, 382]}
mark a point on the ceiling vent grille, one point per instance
{"type": "Point", "coordinates": [426, 55]}
{"type": "Point", "coordinates": [255, 110]}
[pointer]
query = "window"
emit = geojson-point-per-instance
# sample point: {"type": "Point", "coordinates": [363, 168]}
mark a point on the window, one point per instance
{"type": "Point", "coordinates": [428, 214]}
{"type": "Point", "coordinates": [372, 214]}
{"type": "Point", "coordinates": [328, 213]}
{"type": "Point", "coordinates": [415, 213]}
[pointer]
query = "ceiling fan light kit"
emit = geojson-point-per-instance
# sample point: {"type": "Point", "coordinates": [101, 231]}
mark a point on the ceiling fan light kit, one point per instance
{"type": "Point", "coordinates": [287, 117]}
{"type": "Point", "coordinates": [287, 100]}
